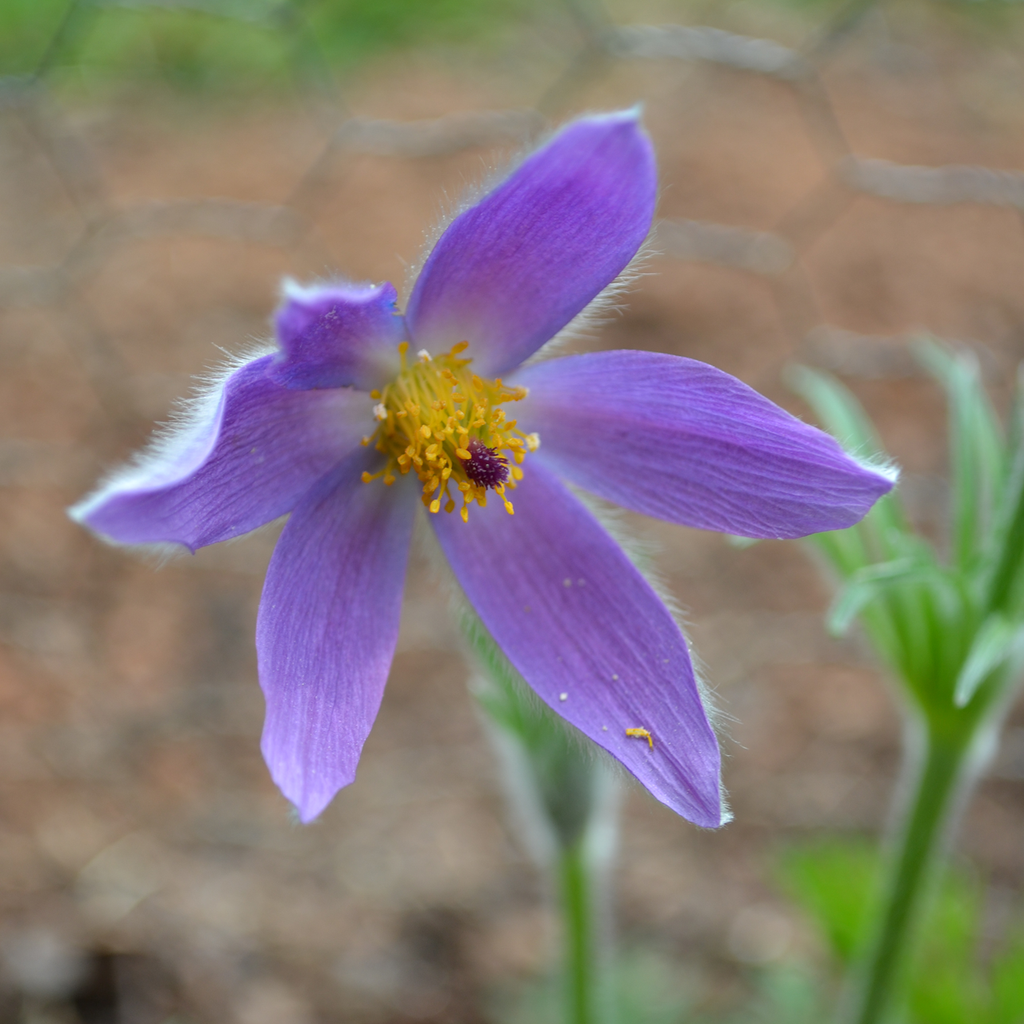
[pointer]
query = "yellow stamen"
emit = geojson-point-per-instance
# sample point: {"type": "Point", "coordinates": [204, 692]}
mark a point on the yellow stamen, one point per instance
{"type": "Point", "coordinates": [427, 422]}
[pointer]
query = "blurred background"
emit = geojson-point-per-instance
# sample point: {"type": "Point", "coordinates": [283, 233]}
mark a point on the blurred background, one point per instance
{"type": "Point", "coordinates": [835, 179]}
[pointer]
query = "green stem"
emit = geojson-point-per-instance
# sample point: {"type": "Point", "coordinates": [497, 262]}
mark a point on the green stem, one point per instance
{"type": "Point", "coordinates": [942, 770]}
{"type": "Point", "coordinates": [578, 921]}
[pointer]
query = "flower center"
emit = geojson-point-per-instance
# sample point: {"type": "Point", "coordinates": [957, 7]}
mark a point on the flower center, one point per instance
{"type": "Point", "coordinates": [448, 425]}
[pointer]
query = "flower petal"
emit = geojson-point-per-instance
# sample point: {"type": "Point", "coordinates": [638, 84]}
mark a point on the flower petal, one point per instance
{"type": "Point", "coordinates": [683, 441]}
{"type": "Point", "coordinates": [327, 628]}
{"type": "Point", "coordinates": [587, 632]}
{"type": "Point", "coordinates": [512, 271]}
{"type": "Point", "coordinates": [337, 335]}
{"type": "Point", "coordinates": [251, 451]}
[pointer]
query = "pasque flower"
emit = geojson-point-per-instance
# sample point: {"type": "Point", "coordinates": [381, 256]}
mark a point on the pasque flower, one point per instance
{"type": "Point", "coordinates": [362, 415]}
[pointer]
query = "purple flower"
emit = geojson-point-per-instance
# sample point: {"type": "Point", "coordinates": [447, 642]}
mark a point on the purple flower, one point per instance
{"type": "Point", "coordinates": [346, 429]}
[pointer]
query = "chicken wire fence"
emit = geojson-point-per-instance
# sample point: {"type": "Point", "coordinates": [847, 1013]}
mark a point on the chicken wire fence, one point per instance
{"type": "Point", "coordinates": [774, 255]}
{"type": "Point", "coordinates": [109, 224]}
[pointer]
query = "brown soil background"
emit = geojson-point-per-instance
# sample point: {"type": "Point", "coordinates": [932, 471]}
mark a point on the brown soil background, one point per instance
{"type": "Point", "coordinates": [137, 821]}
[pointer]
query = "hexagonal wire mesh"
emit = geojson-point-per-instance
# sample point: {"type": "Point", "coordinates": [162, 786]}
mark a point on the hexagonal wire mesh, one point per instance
{"type": "Point", "coordinates": [146, 862]}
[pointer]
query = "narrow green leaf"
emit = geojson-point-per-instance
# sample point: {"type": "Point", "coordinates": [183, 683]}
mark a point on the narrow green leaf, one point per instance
{"type": "Point", "coordinates": [840, 413]}
{"type": "Point", "coordinates": [1015, 421]}
{"type": "Point", "coordinates": [1002, 569]}
{"type": "Point", "coordinates": [1008, 983]}
{"type": "Point", "coordinates": [868, 583]}
{"type": "Point", "coordinates": [992, 644]}
{"type": "Point", "coordinates": [844, 549]}
{"type": "Point", "coordinates": [845, 419]}
{"type": "Point", "coordinates": [977, 452]}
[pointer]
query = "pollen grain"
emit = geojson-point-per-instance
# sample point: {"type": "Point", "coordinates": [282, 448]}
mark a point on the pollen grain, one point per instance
{"type": "Point", "coordinates": [641, 734]}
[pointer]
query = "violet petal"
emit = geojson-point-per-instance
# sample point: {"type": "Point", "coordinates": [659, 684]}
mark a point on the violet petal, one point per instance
{"type": "Point", "coordinates": [336, 335]}
{"type": "Point", "coordinates": [327, 627]}
{"type": "Point", "coordinates": [250, 453]}
{"type": "Point", "coordinates": [514, 269]}
{"type": "Point", "coordinates": [589, 634]}
{"type": "Point", "coordinates": [683, 441]}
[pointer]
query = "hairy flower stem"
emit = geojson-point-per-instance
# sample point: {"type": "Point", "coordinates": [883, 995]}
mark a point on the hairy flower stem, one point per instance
{"type": "Point", "coordinates": [580, 968]}
{"type": "Point", "coordinates": [941, 768]}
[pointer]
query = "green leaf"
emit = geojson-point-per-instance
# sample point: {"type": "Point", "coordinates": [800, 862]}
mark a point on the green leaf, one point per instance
{"type": "Point", "coordinates": [1015, 420]}
{"type": "Point", "coordinates": [845, 419]}
{"type": "Point", "coordinates": [1003, 568]}
{"type": "Point", "coordinates": [840, 413]}
{"type": "Point", "coordinates": [993, 643]}
{"type": "Point", "coordinates": [947, 985]}
{"type": "Point", "coordinates": [833, 880]}
{"type": "Point", "coordinates": [868, 583]}
{"type": "Point", "coordinates": [977, 452]}
{"type": "Point", "coordinates": [845, 549]}
{"type": "Point", "coordinates": [1008, 983]}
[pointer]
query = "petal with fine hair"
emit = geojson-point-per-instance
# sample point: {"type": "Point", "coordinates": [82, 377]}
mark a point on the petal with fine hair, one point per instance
{"type": "Point", "coordinates": [336, 335]}
{"type": "Point", "coordinates": [327, 627]}
{"type": "Point", "coordinates": [252, 449]}
{"type": "Point", "coordinates": [683, 441]}
{"type": "Point", "coordinates": [514, 269]}
{"type": "Point", "coordinates": [589, 634]}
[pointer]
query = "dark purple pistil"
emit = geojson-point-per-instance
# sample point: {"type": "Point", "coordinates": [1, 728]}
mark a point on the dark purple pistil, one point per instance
{"type": "Point", "coordinates": [484, 465]}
